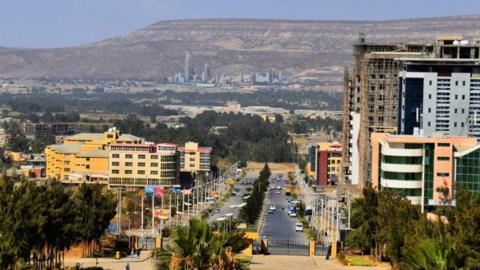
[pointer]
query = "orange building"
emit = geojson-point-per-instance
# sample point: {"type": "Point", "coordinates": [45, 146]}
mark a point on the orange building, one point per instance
{"type": "Point", "coordinates": [422, 168]}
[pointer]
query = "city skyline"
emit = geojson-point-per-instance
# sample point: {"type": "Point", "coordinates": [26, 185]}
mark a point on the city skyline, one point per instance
{"type": "Point", "coordinates": [57, 23]}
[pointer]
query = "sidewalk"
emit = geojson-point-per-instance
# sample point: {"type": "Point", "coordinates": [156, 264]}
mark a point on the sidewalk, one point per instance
{"type": "Point", "coordinates": [136, 263]}
{"type": "Point", "coordinates": [262, 262]}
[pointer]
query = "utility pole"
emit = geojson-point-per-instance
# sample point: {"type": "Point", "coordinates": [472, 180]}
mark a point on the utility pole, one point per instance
{"type": "Point", "coordinates": [153, 213]}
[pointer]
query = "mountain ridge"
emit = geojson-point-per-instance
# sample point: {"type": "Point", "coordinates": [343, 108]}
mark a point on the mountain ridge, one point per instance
{"type": "Point", "coordinates": [304, 49]}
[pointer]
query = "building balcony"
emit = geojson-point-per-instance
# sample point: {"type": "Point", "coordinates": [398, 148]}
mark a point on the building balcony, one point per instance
{"type": "Point", "coordinates": [389, 183]}
{"type": "Point", "coordinates": [401, 152]}
{"type": "Point", "coordinates": [406, 168]}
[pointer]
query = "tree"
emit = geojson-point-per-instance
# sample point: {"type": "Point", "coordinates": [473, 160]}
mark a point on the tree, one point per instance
{"type": "Point", "coordinates": [198, 246]}
{"type": "Point", "coordinates": [95, 209]}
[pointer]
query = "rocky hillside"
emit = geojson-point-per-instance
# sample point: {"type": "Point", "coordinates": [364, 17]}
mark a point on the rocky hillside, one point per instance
{"type": "Point", "coordinates": [304, 49]}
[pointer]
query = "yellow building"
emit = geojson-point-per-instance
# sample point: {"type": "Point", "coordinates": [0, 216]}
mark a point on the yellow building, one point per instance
{"type": "Point", "coordinates": [83, 156]}
{"type": "Point", "coordinates": [194, 158]}
{"type": "Point", "coordinates": [143, 164]}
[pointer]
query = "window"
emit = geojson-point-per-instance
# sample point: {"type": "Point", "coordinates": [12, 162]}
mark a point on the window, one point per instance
{"type": "Point", "coordinates": [456, 96]}
{"type": "Point", "coordinates": [463, 110]}
{"type": "Point", "coordinates": [154, 164]}
{"type": "Point", "coordinates": [154, 156]}
{"type": "Point", "coordinates": [154, 172]}
{"type": "Point", "coordinates": [456, 83]}
{"type": "Point", "coordinates": [128, 171]}
{"type": "Point", "coordinates": [463, 124]}
{"type": "Point", "coordinates": [115, 156]}
{"type": "Point", "coordinates": [443, 158]}
{"type": "Point", "coordinates": [128, 156]}
{"type": "Point", "coordinates": [88, 159]}
{"type": "Point", "coordinates": [429, 110]}
{"type": "Point", "coordinates": [429, 123]}
{"type": "Point", "coordinates": [141, 156]}
{"type": "Point", "coordinates": [115, 163]}
{"type": "Point", "coordinates": [443, 145]}
{"type": "Point", "coordinates": [430, 82]}
{"type": "Point", "coordinates": [87, 167]}
{"type": "Point", "coordinates": [463, 83]}
{"type": "Point", "coordinates": [454, 124]}
{"type": "Point", "coordinates": [141, 164]}
{"type": "Point", "coordinates": [429, 96]}
{"type": "Point", "coordinates": [115, 171]}
{"type": "Point", "coordinates": [463, 97]}
{"type": "Point", "coordinates": [128, 164]}
{"type": "Point", "coordinates": [141, 172]}
{"type": "Point", "coordinates": [455, 110]}
{"type": "Point", "coordinates": [66, 169]}
{"type": "Point", "coordinates": [443, 174]}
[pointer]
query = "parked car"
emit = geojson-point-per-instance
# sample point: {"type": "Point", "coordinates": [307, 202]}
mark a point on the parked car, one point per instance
{"type": "Point", "coordinates": [293, 214]}
{"type": "Point", "coordinates": [271, 209]}
{"type": "Point", "coordinates": [299, 227]}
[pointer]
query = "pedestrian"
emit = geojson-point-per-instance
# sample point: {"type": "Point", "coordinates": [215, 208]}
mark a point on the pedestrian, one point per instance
{"type": "Point", "coordinates": [138, 252]}
{"type": "Point", "coordinates": [127, 266]}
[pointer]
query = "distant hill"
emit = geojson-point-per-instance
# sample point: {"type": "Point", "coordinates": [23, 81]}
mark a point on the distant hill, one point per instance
{"type": "Point", "coordinates": [304, 49]}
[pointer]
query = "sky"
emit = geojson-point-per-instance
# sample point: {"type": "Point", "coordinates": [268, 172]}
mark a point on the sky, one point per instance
{"type": "Point", "coordinates": [62, 23]}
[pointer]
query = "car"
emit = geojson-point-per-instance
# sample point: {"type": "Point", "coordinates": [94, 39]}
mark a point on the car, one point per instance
{"type": "Point", "coordinates": [278, 191]}
{"type": "Point", "coordinates": [233, 193]}
{"type": "Point", "coordinates": [299, 227]}
{"type": "Point", "coordinates": [272, 207]}
{"type": "Point", "coordinates": [293, 214]}
{"type": "Point", "coordinates": [217, 210]}
{"type": "Point", "coordinates": [279, 188]}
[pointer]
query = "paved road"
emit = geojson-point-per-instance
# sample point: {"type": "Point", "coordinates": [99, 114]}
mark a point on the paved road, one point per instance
{"type": "Point", "coordinates": [279, 226]}
{"type": "Point", "coordinates": [228, 206]}
{"type": "Point", "coordinates": [261, 262]}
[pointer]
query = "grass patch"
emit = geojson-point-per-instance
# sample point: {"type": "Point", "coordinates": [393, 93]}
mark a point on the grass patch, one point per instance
{"type": "Point", "coordinates": [244, 262]}
{"type": "Point", "coordinates": [354, 260]}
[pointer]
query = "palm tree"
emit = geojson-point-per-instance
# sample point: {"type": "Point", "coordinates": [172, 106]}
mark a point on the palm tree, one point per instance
{"type": "Point", "coordinates": [426, 254]}
{"type": "Point", "coordinates": [199, 246]}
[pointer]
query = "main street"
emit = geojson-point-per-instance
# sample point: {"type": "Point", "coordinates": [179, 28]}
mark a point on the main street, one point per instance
{"type": "Point", "coordinates": [234, 203]}
{"type": "Point", "coordinates": [280, 226]}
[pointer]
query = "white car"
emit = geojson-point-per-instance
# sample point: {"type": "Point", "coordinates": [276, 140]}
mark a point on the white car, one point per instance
{"type": "Point", "coordinates": [299, 227]}
{"type": "Point", "coordinates": [293, 214]}
{"type": "Point", "coordinates": [279, 188]}
{"type": "Point", "coordinates": [271, 209]}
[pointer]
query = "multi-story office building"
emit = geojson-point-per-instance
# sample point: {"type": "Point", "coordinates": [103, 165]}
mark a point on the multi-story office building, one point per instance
{"type": "Point", "coordinates": [324, 163]}
{"type": "Point", "coordinates": [37, 131]}
{"type": "Point", "coordinates": [123, 160]}
{"type": "Point", "coordinates": [194, 158]}
{"type": "Point", "coordinates": [406, 89]}
{"type": "Point", "coordinates": [143, 164]}
{"type": "Point", "coordinates": [83, 155]}
{"type": "Point", "coordinates": [425, 169]}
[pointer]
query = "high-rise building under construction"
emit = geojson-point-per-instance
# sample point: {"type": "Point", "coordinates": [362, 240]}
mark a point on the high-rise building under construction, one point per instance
{"type": "Point", "coordinates": [408, 89]}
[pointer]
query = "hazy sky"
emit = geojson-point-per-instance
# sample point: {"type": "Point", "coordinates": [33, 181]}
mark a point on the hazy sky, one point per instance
{"type": "Point", "coordinates": [57, 23]}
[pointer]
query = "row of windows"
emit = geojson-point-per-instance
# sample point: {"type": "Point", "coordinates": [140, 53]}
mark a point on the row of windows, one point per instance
{"type": "Point", "coordinates": [167, 158]}
{"type": "Point", "coordinates": [402, 160]}
{"type": "Point", "coordinates": [130, 164]}
{"type": "Point", "coordinates": [142, 172]}
{"type": "Point", "coordinates": [402, 176]}
{"type": "Point", "coordinates": [429, 110]}
{"type": "Point", "coordinates": [413, 192]}
{"type": "Point", "coordinates": [462, 124]}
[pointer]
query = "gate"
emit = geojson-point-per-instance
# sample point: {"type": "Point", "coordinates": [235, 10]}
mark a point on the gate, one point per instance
{"type": "Point", "coordinates": [288, 247]}
{"type": "Point", "coordinates": [147, 243]}
{"type": "Point", "coordinates": [321, 250]}
{"type": "Point", "coordinates": [257, 246]}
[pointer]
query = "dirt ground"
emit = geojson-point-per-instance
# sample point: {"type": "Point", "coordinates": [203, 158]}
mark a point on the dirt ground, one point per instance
{"type": "Point", "coordinates": [274, 167]}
